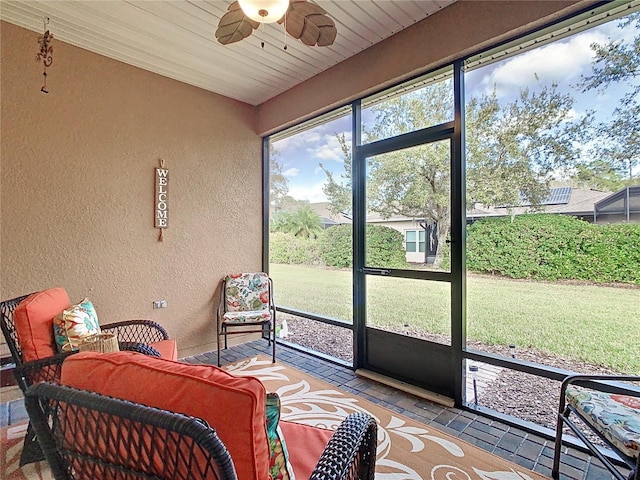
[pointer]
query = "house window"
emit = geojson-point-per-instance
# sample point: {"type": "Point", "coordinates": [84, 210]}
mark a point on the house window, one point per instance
{"type": "Point", "coordinates": [414, 240]}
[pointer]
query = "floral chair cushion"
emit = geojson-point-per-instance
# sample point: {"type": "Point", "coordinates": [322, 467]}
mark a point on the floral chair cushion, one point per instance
{"type": "Point", "coordinates": [246, 298]}
{"type": "Point", "coordinates": [617, 417]}
{"type": "Point", "coordinates": [246, 317]}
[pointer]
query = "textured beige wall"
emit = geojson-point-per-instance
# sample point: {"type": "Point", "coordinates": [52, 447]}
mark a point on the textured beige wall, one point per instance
{"type": "Point", "coordinates": [460, 29]}
{"type": "Point", "coordinates": [77, 187]}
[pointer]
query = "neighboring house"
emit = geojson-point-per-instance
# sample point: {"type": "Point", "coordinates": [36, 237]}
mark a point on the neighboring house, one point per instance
{"type": "Point", "coordinates": [622, 206]}
{"type": "Point", "coordinates": [327, 218]}
{"type": "Point", "coordinates": [421, 238]}
{"type": "Point", "coordinates": [576, 202]}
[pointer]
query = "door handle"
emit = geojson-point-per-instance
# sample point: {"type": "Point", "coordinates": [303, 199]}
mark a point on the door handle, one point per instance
{"type": "Point", "coordinates": [377, 271]}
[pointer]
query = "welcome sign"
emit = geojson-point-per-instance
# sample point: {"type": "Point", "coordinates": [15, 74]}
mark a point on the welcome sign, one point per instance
{"type": "Point", "coordinates": [162, 198]}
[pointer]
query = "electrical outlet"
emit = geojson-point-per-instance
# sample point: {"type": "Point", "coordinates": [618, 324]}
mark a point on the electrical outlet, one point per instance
{"type": "Point", "coordinates": [159, 304]}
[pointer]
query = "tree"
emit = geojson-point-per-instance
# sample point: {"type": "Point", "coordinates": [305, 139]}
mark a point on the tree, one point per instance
{"type": "Point", "coordinates": [278, 183]}
{"type": "Point", "coordinates": [304, 223]}
{"type": "Point", "coordinates": [289, 204]}
{"type": "Point", "coordinates": [338, 191]}
{"type": "Point", "coordinates": [613, 63]}
{"type": "Point", "coordinates": [599, 175]}
{"type": "Point", "coordinates": [413, 183]}
{"type": "Point", "coordinates": [511, 151]}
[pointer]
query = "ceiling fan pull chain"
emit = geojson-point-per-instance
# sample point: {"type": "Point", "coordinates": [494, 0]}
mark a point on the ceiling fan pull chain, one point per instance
{"type": "Point", "coordinates": [285, 30]}
{"type": "Point", "coordinates": [262, 32]}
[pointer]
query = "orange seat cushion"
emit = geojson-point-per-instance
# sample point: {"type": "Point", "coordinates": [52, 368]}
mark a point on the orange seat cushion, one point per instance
{"type": "Point", "coordinates": [33, 319]}
{"type": "Point", "coordinates": [233, 406]}
{"type": "Point", "coordinates": [305, 444]}
{"type": "Point", "coordinates": [167, 348]}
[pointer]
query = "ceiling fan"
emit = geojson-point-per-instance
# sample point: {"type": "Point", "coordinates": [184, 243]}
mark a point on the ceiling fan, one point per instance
{"type": "Point", "coordinates": [303, 20]}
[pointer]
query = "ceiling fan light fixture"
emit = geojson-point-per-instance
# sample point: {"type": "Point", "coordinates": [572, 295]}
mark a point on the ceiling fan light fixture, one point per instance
{"type": "Point", "coordinates": [264, 11]}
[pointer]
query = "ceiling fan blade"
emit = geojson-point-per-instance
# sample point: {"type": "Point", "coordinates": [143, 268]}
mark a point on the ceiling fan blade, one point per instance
{"type": "Point", "coordinates": [310, 23]}
{"type": "Point", "coordinates": [327, 36]}
{"type": "Point", "coordinates": [234, 25]}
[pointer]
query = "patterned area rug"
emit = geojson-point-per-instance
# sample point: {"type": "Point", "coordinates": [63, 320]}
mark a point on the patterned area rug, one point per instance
{"type": "Point", "coordinates": [407, 450]}
{"type": "Point", "coordinates": [11, 440]}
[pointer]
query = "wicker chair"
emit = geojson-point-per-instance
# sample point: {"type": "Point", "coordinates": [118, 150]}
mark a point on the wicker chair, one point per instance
{"type": "Point", "coordinates": [132, 335]}
{"type": "Point", "coordinates": [86, 435]}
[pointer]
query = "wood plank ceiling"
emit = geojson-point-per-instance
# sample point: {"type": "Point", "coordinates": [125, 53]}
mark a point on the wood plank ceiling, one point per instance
{"type": "Point", "coordinates": [175, 38]}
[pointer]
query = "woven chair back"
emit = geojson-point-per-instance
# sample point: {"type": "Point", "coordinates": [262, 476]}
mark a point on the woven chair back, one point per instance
{"type": "Point", "coordinates": [7, 307]}
{"type": "Point", "coordinates": [86, 435]}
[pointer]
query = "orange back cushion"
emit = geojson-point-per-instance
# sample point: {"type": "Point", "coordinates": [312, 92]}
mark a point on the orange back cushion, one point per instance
{"type": "Point", "coordinates": [33, 319]}
{"type": "Point", "coordinates": [233, 406]}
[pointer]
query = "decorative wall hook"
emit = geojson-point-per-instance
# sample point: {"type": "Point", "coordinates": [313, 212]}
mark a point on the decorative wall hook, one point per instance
{"type": "Point", "coordinates": [45, 53]}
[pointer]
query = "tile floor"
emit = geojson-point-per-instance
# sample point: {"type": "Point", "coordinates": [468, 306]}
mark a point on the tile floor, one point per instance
{"type": "Point", "coordinates": [516, 445]}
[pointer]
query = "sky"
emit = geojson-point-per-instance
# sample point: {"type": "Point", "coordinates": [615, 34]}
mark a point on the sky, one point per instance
{"type": "Point", "coordinates": [562, 62]}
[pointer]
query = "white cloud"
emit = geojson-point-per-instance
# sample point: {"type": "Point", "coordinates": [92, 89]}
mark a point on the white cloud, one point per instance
{"type": "Point", "coordinates": [329, 149]}
{"type": "Point", "coordinates": [562, 62]}
{"type": "Point", "coordinates": [573, 114]}
{"type": "Point", "coordinates": [297, 141]}
{"type": "Point", "coordinates": [291, 172]}
{"type": "Point", "coordinates": [311, 192]}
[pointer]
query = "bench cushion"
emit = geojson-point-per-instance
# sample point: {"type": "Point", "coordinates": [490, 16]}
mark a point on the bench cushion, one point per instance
{"type": "Point", "coordinates": [166, 348]}
{"type": "Point", "coordinates": [252, 316]}
{"type": "Point", "coordinates": [233, 406]}
{"type": "Point", "coordinates": [305, 444]}
{"type": "Point", "coordinates": [616, 417]}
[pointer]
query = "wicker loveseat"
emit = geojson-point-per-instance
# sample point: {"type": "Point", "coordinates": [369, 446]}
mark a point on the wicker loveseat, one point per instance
{"type": "Point", "coordinates": [234, 407]}
{"type": "Point", "coordinates": [168, 445]}
{"type": "Point", "coordinates": [27, 325]}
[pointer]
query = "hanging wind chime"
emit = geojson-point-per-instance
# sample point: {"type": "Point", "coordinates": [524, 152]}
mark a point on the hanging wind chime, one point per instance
{"type": "Point", "coordinates": [45, 53]}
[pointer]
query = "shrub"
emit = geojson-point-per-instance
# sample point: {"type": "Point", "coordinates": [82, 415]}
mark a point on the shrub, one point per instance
{"type": "Point", "coordinates": [335, 246]}
{"type": "Point", "coordinates": [554, 247]}
{"type": "Point", "coordinates": [384, 247]}
{"type": "Point", "coordinates": [289, 249]}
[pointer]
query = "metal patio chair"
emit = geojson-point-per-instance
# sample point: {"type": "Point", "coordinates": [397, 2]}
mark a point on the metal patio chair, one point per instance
{"type": "Point", "coordinates": [610, 410]}
{"type": "Point", "coordinates": [246, 299]}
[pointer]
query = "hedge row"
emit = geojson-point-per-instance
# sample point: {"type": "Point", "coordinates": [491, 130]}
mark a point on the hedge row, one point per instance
{"type": "Point", "coordinates": [384, 247]}
{"type": "Point", "coordinates": [554, 247]}
{"type": "Point", "coordinates": [537, 246]}
{"type": "Point", "coordinates": [289, 249]}
{"type": "Point", "coordinates": [334, 248]}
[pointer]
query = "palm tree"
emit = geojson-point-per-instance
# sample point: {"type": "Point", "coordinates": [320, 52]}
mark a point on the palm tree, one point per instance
{"type": "Point", "coordinates": [304, 222]}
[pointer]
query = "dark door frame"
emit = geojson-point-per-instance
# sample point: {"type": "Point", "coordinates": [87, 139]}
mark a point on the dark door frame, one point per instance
{"type": "Point", "coordinates": [452, 131]}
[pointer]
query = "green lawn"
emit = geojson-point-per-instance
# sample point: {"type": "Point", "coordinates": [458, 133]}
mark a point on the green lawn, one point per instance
{"type": "Point", "coordinates": [596, 324]}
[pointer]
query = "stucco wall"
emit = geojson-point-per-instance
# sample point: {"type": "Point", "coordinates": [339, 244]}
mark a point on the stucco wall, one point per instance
{"type": "Point", "coordinates": [461, 29]}
{"type": "Point", "coordinates": [77, 187]}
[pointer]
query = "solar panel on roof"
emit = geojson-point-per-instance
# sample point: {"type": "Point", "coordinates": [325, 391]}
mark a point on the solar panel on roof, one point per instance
{"type": "Point", "coordinates": [558, 195]}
